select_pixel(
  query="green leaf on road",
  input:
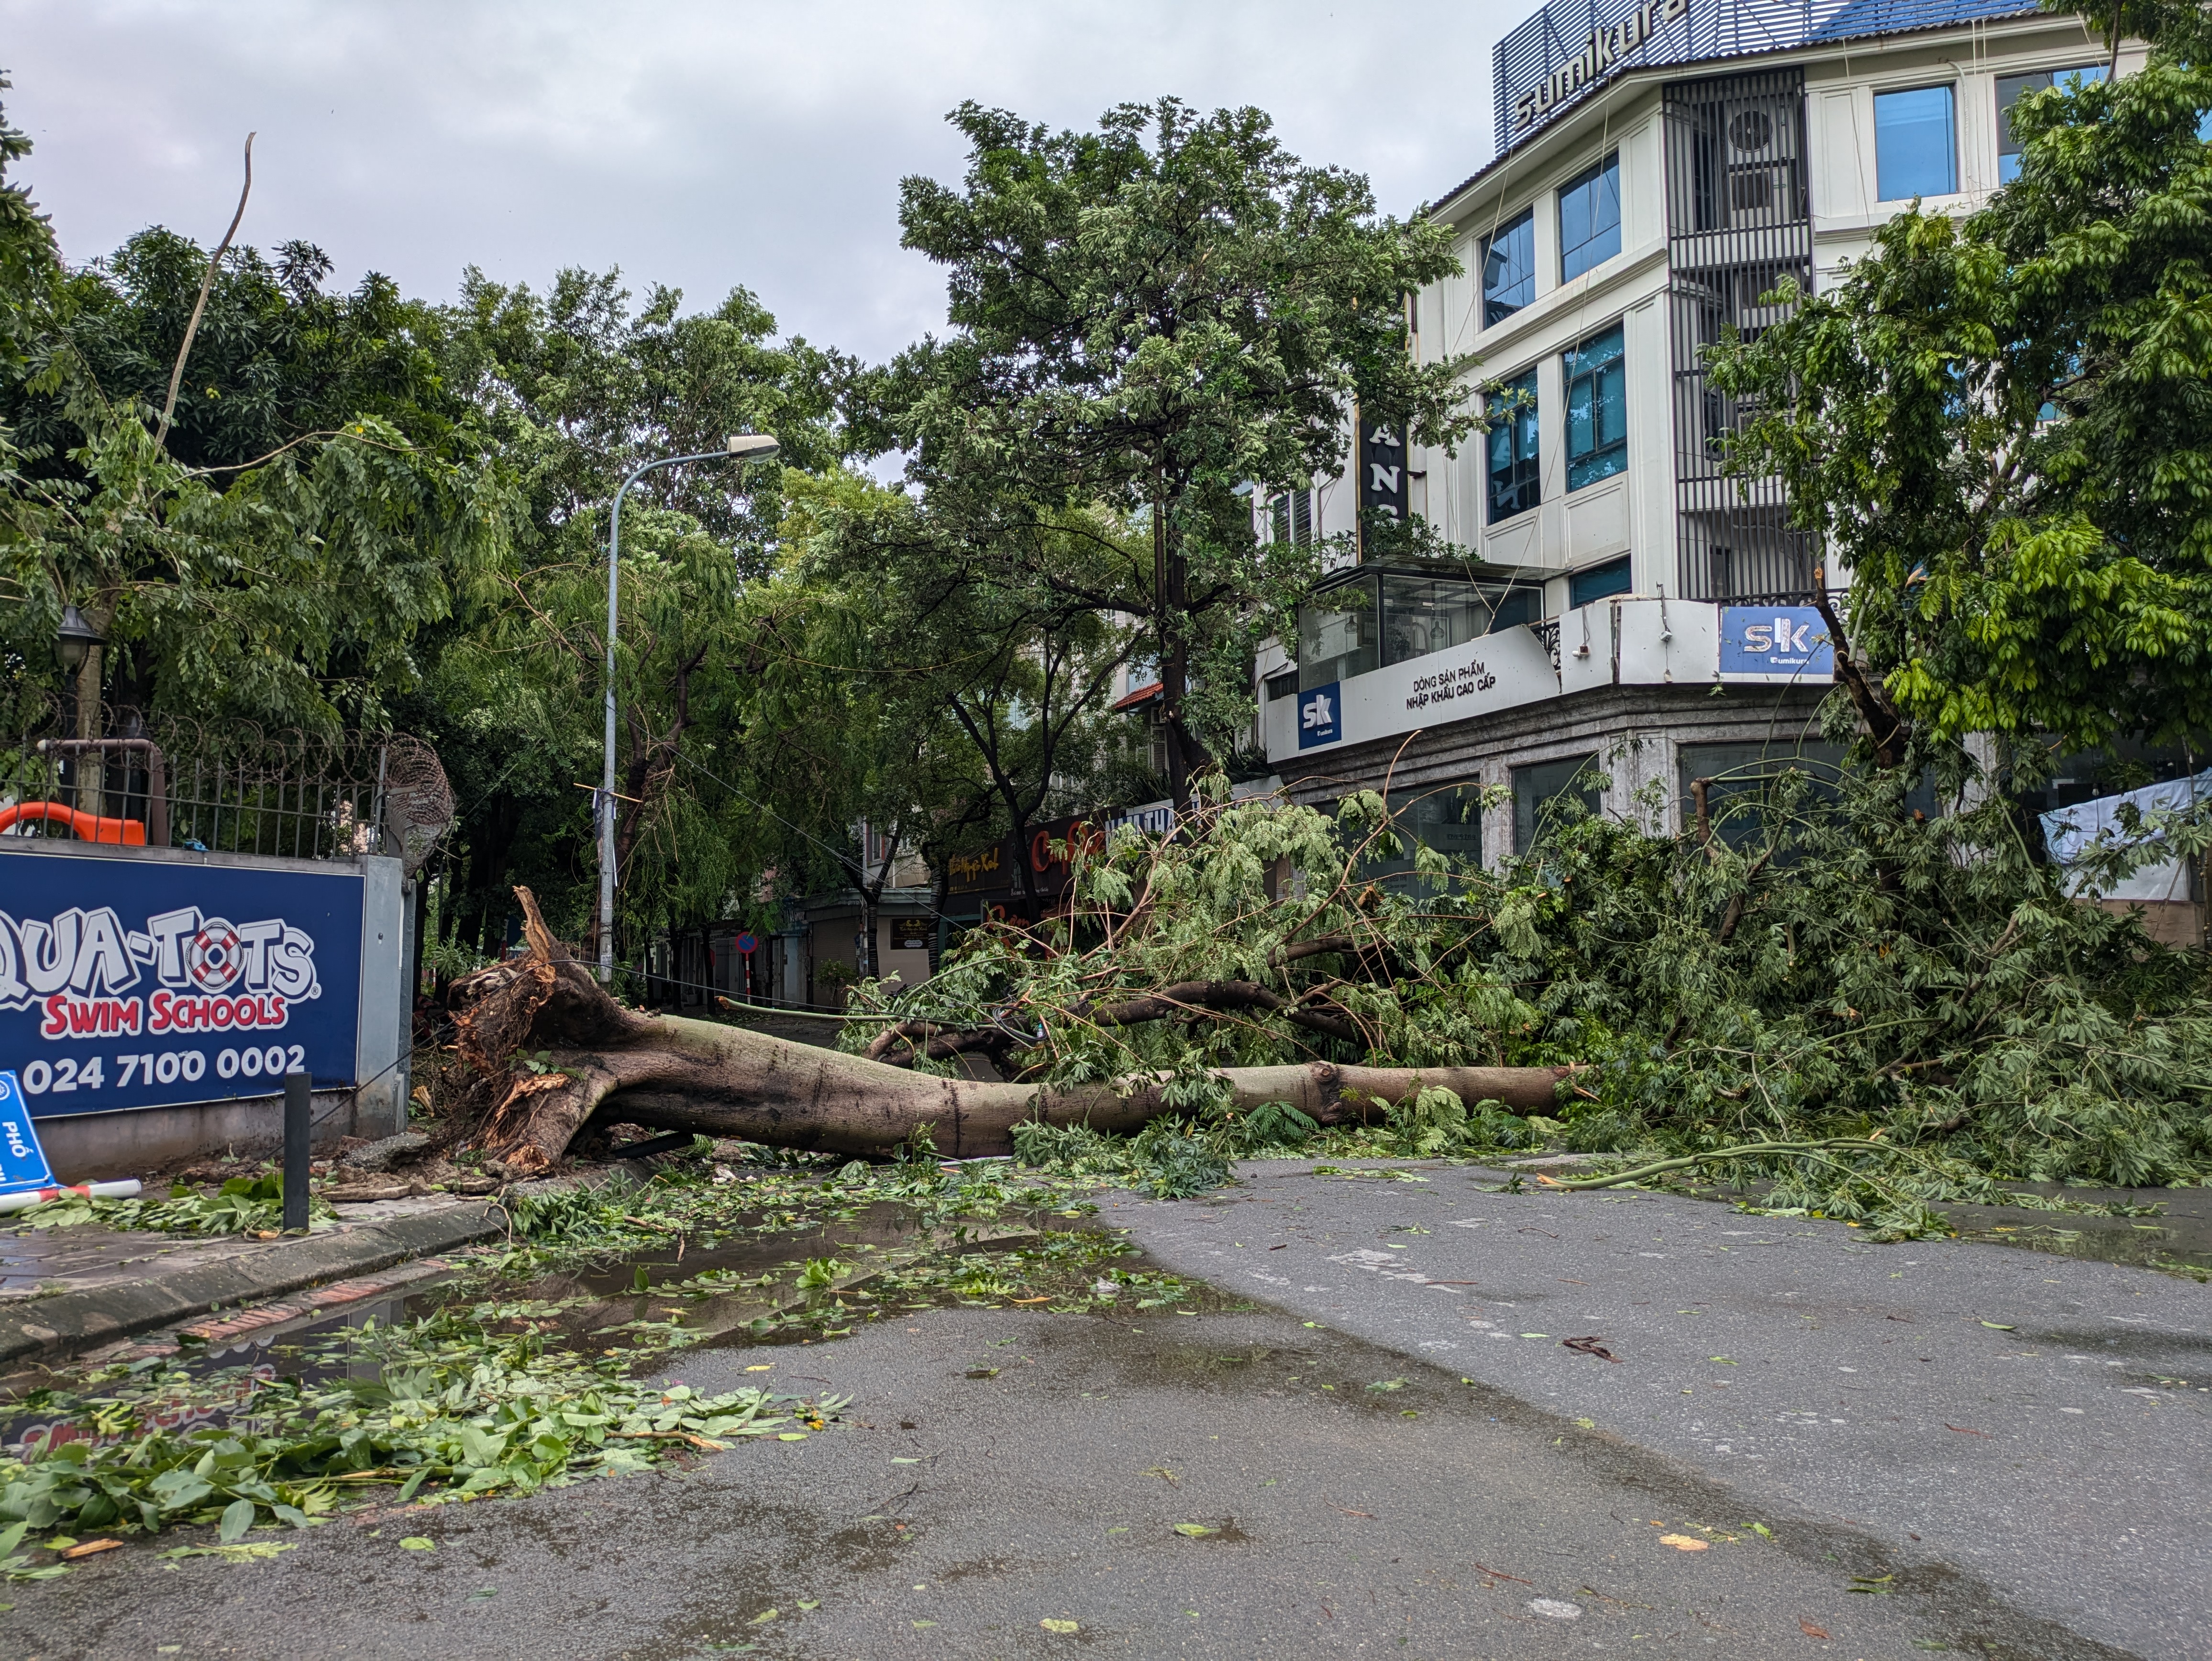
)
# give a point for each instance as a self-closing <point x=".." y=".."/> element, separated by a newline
<point x="237" y="1518"/>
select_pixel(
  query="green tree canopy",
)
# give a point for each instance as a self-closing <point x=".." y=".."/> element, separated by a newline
<point x="578" y="386"/>
<point x="1159" y="316"/>
<point x="2001" y="425"/>
<point x="322" y="499"/>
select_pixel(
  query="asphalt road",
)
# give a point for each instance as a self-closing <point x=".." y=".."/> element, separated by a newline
<point x="2040" y="1425"/>
<point x="1009" y="1468"/>
<point x="1429" y="1519"/>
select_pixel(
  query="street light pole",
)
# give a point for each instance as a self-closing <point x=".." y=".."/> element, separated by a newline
<point x="740" y="447"/>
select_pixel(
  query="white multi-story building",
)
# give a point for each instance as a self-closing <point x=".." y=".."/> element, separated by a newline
<point x="1624" y="609"/>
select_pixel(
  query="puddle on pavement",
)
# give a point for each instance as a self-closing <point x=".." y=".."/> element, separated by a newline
<point x="802" y="1286"/>
<point x="2178" y="1241"/>
<point x="235" y="1368"/>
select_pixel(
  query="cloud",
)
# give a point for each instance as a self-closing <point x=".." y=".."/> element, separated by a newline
<point x="705" y="145"/>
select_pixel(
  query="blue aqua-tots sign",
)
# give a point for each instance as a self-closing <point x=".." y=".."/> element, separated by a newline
<point x="1778" y="643"/>
<point x="1319" y="716"/>
<point x="135" y="982"/>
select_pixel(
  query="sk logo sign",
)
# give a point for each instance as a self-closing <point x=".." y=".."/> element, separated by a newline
<point x="1778" y="641"/>
<point x="1317" y="716"/>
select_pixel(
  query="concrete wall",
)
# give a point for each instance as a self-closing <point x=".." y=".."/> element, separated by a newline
<point x="85" y="1147"/>
<point x="1635" y="732"/>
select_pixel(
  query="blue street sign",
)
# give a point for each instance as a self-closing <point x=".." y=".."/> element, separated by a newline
<point x="1319" y="716"/>
<point x="1788" y="641"/>
<point x="22" y="1162"/>
<point x="748" y="943"/>
<point x="141" y="982"/>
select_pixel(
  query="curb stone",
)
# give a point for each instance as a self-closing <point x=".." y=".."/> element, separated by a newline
<point x="67" y="1324"/>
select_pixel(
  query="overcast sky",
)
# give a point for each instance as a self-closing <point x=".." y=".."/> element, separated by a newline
<point x="702" y="145"/>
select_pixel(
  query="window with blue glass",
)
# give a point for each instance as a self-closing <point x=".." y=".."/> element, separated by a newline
<point x="1916" y="144"/>
<point x="1508" y="268"/>
<point x="1597" y="410"/>
<point x="1589" y="218"/>
<point x="1513" y="466"/>
<point x="1598" y="581"/>
<point x="2009" y="89"/>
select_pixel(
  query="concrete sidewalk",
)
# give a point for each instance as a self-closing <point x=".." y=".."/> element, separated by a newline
<point x="64" y="1291"/>
<point x="2040" y="1425"/>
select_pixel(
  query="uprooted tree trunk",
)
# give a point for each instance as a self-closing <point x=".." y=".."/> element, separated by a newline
<point x="562" y="1049"/>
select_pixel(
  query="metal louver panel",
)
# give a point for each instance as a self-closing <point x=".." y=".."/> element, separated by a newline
<point x="1739" y="224"/>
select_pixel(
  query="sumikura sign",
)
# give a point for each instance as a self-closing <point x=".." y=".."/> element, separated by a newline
<point x="1606" y="49"/>
<point x="1775" y="642"/>
<point x="130" y="984"/>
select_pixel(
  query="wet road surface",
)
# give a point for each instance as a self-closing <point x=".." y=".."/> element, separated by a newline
<point x="1772" y="1439"/>
<point x="1009" y="1468"/>
<point x="2039" y="1423"/>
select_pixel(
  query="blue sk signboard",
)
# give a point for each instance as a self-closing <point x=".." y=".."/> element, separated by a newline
<point x="1319" y="716"/>
<point x="1776" y="642"/>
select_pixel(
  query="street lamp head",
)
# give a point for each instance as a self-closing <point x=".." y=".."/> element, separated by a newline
<point x="753" y="446"/>
<point x="75" y="638"/>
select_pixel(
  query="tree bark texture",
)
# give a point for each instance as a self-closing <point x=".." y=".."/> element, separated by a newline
<point x="698" y="1076"/>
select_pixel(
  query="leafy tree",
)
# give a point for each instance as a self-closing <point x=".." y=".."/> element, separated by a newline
<point x="323" y="503"/>
<point x="2003" y="425"/>
<point x="972" y="643"/>
<point x="1158" y="316"/>
<point x="577" y="386"/>
<point x="1871" y="1012"/>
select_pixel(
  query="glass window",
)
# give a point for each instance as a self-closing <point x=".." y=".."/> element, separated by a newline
<point x="2010" y="87"/>
<point x="1447" y="818"/>
<point x="1421" y="615"/>
<point x="1915" y="151"/>
<point x="1596" y="581"/>
<point x="1541" y="794"/>
<point x="1513" y="606"/>
<point x="2084" y="775"/>
<point x="1742" y="775"/>
<point x="1589" y="218"/>
<point x="1337" y="635"/>
<point x="1513" y="464"/>
<point x="1597" y="410"/>
<point x="1508" y="268"/>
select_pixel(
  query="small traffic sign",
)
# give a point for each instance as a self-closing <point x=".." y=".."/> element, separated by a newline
<point x="22" y="1161"/>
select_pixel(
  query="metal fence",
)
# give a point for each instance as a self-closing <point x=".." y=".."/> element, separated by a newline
<point x="230" y="787"/>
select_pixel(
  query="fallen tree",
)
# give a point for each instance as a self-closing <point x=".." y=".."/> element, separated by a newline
<point x="552" y="1050"/>
<point x="1871" y="1009"/>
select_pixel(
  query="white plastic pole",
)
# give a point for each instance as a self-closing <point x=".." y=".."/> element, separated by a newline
<point x="127" y="1189"/>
